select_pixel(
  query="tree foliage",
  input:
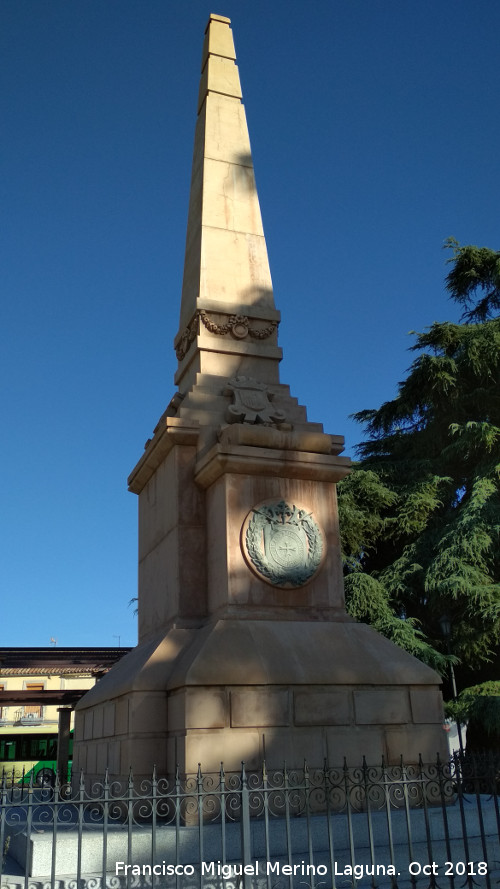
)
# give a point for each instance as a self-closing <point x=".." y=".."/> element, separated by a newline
<point x="479" y="702"/>
<point x="474" y="280"/>
<point x="420" y="513"/>
<point x="479" y="708"/>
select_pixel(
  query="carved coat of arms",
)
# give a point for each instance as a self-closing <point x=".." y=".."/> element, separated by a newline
<point x="282" y="543"/>
<point x="252" y="403"/>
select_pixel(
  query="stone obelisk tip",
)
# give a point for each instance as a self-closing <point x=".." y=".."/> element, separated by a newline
<point x="219" y="73"/>
<point x="226" y="270"/>
<point x="213" y="17"/>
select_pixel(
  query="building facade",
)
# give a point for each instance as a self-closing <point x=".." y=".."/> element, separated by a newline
<point x="36" y="684"/>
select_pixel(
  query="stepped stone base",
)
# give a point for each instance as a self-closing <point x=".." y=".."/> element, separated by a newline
<point x="238" y="690"/>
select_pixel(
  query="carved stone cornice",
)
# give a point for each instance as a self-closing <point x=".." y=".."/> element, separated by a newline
<point x="172" y="431"/>
<point x="225" y="457"/>
<point x="240" y="327"/>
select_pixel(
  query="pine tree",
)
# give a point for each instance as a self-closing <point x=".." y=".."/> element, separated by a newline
<point x="420" y="513"/>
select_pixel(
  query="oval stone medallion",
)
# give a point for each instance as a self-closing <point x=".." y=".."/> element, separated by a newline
<point x="282" y="543"/>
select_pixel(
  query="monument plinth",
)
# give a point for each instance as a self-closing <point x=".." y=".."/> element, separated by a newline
<point x="243" y="635"/>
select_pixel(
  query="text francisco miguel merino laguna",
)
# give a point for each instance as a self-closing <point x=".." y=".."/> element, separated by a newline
<point x="267" y="868"/>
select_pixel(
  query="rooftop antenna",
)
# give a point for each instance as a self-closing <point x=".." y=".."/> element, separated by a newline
<point x="119" y="638"/>
<point x="53" y="641"/>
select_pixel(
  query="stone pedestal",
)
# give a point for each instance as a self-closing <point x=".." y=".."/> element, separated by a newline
<point x="248" y="667"/>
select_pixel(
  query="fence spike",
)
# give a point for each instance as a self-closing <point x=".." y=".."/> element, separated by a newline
<point x="285" y="773"/>
<point x="364" y="767"/>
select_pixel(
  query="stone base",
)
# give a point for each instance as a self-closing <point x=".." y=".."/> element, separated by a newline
<point x="237" y="690"/>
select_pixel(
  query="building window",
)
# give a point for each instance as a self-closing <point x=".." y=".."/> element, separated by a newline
<point x="33" y="711"/>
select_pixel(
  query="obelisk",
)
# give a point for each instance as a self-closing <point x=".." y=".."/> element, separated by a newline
<point x="244" y="640"/>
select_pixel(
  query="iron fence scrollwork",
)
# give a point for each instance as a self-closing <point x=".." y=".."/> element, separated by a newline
<point x="404" y="825"/>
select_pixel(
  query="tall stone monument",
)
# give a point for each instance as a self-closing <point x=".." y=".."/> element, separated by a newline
<point x="244" y="640"/>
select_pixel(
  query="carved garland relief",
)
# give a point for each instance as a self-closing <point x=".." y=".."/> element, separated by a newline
<point x="237" y="325"/>
<point x="282" y="543"/>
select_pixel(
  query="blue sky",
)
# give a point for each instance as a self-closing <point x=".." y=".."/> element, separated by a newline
<point x="375" y="133"/>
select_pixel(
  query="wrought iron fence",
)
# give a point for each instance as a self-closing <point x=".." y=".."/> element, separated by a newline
<point x="409" y="825"/>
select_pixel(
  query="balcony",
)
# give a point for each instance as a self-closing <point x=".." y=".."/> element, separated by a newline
<point x="22" y="718"/>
